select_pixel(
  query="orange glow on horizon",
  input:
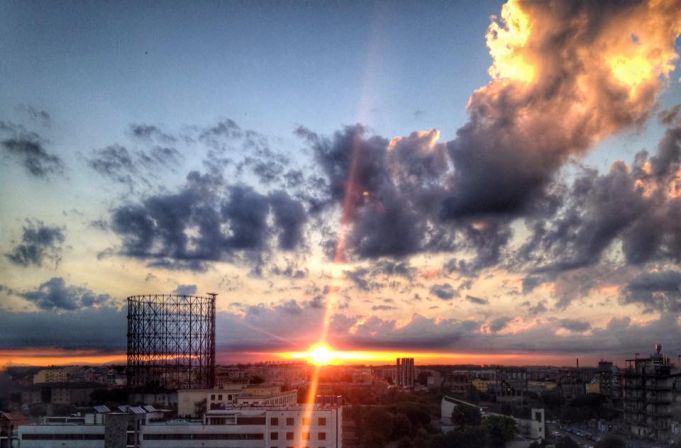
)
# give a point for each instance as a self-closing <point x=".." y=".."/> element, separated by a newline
<point x="326" y="355"/>
<point x="45" y="357"/>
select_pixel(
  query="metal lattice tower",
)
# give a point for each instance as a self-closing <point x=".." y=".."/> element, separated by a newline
<point x="171" y="341"/>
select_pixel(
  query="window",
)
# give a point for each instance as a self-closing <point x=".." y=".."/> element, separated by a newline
<point x="306" y="421"/>
<point x="321" y="421"/>
<point x="306" y="436"/>
<point x="212" y="397"/>
<point x="274" y="421"/>
<point x="289" y="436"/>
<point x="220" y="397"/>
<point x="274" y="436"/>
<point x="290" y="421"/>
<point x="321" y="436"/>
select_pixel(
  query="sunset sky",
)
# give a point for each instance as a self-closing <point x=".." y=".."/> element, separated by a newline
<point x="474" y="181"/>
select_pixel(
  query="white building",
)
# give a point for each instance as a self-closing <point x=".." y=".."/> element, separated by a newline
<point x="248" y="427"/>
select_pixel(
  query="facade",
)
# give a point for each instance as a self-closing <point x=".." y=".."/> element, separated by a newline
<point x="651" y="395"/>
<point x="195" y="402"/>
<point x="405" y="373"/>
<point x="318" y="427"/>
<point x="51" y="376"/>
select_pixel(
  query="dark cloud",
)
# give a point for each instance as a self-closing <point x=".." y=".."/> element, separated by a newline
<point x="207" y="221"/>
<point x="477" y="300"/>
<point x="38" y="244"/>
<point x="151" y="133"/>
<point x="223" y="130"/>
<point x="637" y="205"/>
<point x="132" y="168"/>
<point x="185" y="290"/>
<point x="388" y="190"/>
<point x="511" y="147"/>
<point x="33" y="156"/>
<point x="54" y="294"/>
<point x="499" y="323"/>
<point x="101" y="328"/>
<point x="37" y="115"/>
<point x="114" y="162"/>
<point x="659" y="291"/>
<point x="444" y="291"/>
<point x="574" y="325"/>
<point x="289" y="218"/>
<point x="669" y="116"/>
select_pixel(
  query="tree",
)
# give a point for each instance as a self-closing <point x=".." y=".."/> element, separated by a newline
<point x="500" y="429"/>
<point x="611" y="442"/>
<point x="566" y="442"/>
<point x="464" y="416"/>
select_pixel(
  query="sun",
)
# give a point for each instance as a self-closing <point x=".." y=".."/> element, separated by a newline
<point x="320" y="354"/>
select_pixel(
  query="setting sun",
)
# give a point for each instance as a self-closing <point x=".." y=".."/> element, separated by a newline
<point x="321" y="354"/>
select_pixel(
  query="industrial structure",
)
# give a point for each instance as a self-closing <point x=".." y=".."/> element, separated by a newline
<point x="171" y="342"/>
<point x="652" y="396"/>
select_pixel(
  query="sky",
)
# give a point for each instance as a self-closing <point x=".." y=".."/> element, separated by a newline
<point x="467" y="181"/>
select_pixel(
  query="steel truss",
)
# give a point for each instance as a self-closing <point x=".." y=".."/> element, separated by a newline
<point x="171" y="342"/>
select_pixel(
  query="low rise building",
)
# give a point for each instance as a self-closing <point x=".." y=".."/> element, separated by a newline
<point x="319" y="426"/>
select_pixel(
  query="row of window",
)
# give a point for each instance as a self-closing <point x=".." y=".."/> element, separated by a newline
<point x="62" y="437"/>
<point x="291" y="421"/>
<point x="291" y="436"/>
<point x="225" y="436"/>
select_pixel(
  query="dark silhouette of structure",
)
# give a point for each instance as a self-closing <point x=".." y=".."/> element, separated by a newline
<point x="171" y="342"/>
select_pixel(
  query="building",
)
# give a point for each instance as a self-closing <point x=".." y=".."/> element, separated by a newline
<point x="137" y="427"/>
<point x="68" y="394"/>
<point x="405" y="373"/>
<point x="532" y="428"/>
<point x="52" y="375"/>
<point x="192" y="403"/>
<point x="651" y="395"/>
<point x="9" y="422"/>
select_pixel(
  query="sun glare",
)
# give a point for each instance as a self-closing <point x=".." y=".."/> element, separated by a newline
<point x="320" y="354"/>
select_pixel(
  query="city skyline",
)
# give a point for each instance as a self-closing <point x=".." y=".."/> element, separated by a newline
<point x="495" y="183"/>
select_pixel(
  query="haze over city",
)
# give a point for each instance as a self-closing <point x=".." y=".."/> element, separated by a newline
<point x="457" y="182"/>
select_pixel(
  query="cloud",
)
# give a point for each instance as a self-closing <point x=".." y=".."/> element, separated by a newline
<point x="388" y="190"/>
<point x="444" y="291"/>
<point x="207" y="221"/>
<point x="37" y="115"/>
<point x="477" y="300"/>
<point x="127" y="167"/>
<point x="34" y="158"/>
<point x="101" y="328"/>
<point x="185" y="290"/>
<point x="38" y="244"/>
<point x="499" y="323"/>
<point x="660" y="290"/>
<point x="150" y="133"/>
<point x="572" y="60"/>
<point x="114" y="162"/>
<point x="574" y="325"/>
<point x="635" y="206"/>
<point x="54" y="294"/>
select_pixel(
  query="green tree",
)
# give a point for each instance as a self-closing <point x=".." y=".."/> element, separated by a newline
<point x="464" y="416"/>
<point x="499" y="429"/>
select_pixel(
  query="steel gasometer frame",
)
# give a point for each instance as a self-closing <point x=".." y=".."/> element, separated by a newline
<point x="171" y="341"/>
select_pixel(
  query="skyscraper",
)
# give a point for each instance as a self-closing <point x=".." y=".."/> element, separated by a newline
<point x="406" y="373"/>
